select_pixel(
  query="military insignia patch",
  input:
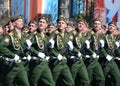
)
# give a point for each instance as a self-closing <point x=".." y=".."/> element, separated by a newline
<point x="70" y="37"/>
<point x="56" y="32"/>
<point x="74" y="32"/>
<point x="6" y="40"/>
<point x="11" y="33"/>
<point x="35" y="33"/>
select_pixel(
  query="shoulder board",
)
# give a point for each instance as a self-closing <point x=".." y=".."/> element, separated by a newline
<point x="35" y="33"/>
<point x="70" y="37"/>
<point x="92" y="32"/>
<point x="74" y="32"/>
<point x="11" y="33"/>
<point x="56" y="32"/>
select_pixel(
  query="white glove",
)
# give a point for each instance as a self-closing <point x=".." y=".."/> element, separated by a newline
<point x="59" y="57"/>
<point x="47" y="58"/>
<point x="79" y="54"/>
<point x="117" y="58"/>
<point x="72" y="57"/>
<point x="94" y="55"/>
<point x="109" y="57"/>
<point x="102" y="43"/>
<point x="87" y="56"/>
<point x="29" y="43"/>
<point x="52" y="43"/>
<point x="97" y="56"/>
<point x="117" y="44"/>
<point x="24" y="57"/>
<point x="29" y="57"/>
<point x="87" y="44"/>
<point x="70" y="44"/>
<point x="41" y="55"/>
<point x="16" y="58"/>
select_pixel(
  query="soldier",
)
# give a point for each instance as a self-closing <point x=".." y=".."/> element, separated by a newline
<point x="93" y="66"/>
<point x="75" y="60"/>
<point x="58" y="61"/>
<point x="38" y="67"/>
<point x="106" y="53"/>
<point x="11" y="48"/>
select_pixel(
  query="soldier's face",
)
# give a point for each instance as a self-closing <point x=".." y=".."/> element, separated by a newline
<point x="68" y="28"/>
<point x="62" y="25"/>
<point x="18" y="23"/>
<point x="32" y="27"/>
<point x="10" y="26"/>
<point x="81" y="26"/>
<point x="51" y="29"/>
<point x="42" y="24"/>
<point x="112" y="27"/>
<point x="97" y="25"/>
<point x="1" y="30"/>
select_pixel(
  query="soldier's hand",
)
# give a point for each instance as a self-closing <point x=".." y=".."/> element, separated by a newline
<point x="16" y="58"/>
<point x="108" y="57"/>
<point x="94" y="55"/>
<point x="117" y="44"/>
<point x="29" y="57"/>
<point x="41" y="55"/>
<point x="102" y="43"/>
<point x="70" y="44"/>
<point x="59" y="57"/>
<point x="52" y="43"/>
<point x="29" y="43"/>
<point x="87" y="44"/>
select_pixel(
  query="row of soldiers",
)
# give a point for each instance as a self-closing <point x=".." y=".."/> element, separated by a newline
<point x="42" y="54"/>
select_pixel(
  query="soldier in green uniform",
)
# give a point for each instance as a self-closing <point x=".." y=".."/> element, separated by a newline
<point x="75" y="60"/>
<point x="106" y="51"/>
<point x="1" y="58"/>
<point x="38" y="66"/>
<point x="93" y="67"/>
<point x="11" y="48"/>
<point x="58" y="61"/>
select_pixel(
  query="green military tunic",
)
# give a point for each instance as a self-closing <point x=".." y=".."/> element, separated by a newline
<point x="94" y="68"/>
<point x="38" y="67"/>
<point x="109" y="67"/>
<point x="11" y="45"/>
<point x="77" y="66"/>
<point x="59" y="67"/>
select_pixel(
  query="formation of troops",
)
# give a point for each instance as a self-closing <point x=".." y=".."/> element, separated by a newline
<point x="43" y="54"/>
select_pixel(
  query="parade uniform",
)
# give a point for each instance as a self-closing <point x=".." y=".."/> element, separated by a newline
<point x="58" y="61"/>
<point x="38" y="66"/>
<point x="93" y="67"/>
<point x="106" y="56"/>
<point x="75" y="60"/>
<point x="11" y="48"/>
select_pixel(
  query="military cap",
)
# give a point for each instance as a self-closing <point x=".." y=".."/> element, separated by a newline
<point x="26" y="26"/>
<point x="97" y="19"/>
<point x="51" y="24"/>
<point x="34" y="22"/>
<point x="70" y="24"/>
<point x="14" y="18"/>
<point x="43" y="17"/>
<point x="114" y="23"/>
<point x="61" y="19"/>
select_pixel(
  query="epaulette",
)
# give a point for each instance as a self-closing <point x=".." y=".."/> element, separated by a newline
<point x="74" y="32"/>
<point x="71" y="37"/>
<point x="35" y="33"/>
<point x="11" y="33"/>
<point x="92" y="32"/>
<point x="56" y="32"/>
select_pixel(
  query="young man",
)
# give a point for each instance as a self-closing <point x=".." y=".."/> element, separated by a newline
<point x="58" y="61"/>
<point x="38" y="67"/>
<point x="11" y="48"/>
